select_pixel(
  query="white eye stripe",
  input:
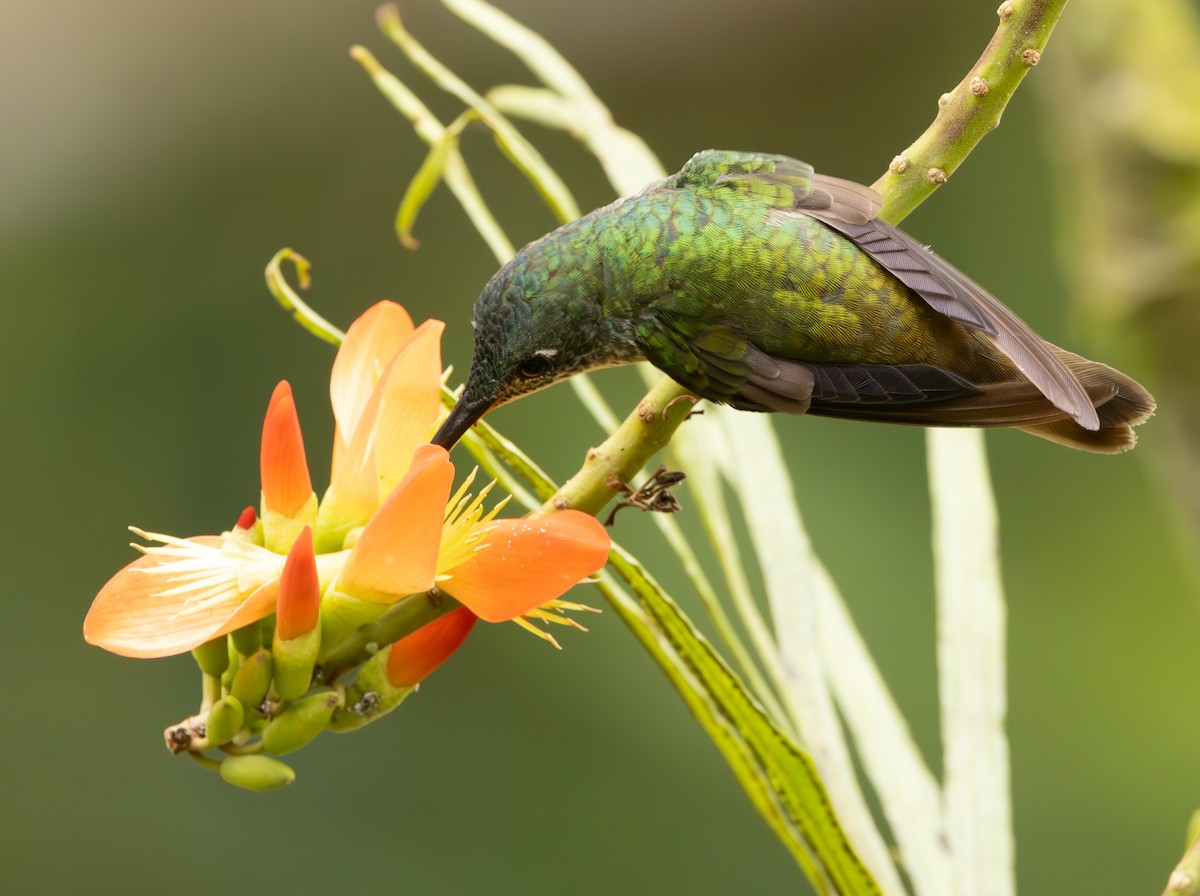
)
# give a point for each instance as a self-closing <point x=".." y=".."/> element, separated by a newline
<point x="546" y="353"/>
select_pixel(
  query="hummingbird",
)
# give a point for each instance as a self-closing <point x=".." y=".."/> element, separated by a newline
<point x="755" y="282"/>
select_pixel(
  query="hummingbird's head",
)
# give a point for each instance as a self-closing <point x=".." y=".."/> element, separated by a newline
<point x="530" y="331"/>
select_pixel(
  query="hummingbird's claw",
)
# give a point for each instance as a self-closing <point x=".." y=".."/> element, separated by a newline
<point x="654" y="495"/>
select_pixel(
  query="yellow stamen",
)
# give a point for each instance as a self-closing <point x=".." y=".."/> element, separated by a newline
<point x="533" y="629"/>
<point x="454" y="505"/>
<point x="563" y="605"/>
<point x="553" y="618"/>
<point x="465" y="525"/>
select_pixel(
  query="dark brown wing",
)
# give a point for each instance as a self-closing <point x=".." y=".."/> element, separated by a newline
<point x="950" y="292"/>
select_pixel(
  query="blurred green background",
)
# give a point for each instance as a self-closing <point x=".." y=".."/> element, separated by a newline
<point x="155" y="155"/>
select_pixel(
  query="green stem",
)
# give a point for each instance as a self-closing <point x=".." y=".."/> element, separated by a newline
<point x="972" y="109"/>
<point x="291" y="301"/>
<point x="213" y="765"/>
<point x="679" y="543"/>
<point x="708" y="712"/>
<point x="619" y="458"/>
<point x="210" y="691"/>
<point x="233" y="749"/>
<point x="402" y="618"/>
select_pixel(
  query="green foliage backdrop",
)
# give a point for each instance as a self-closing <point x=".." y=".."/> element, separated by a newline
<point x="156" y="155"/>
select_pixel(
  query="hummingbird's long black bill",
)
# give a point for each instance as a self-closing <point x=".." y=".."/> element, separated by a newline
<point x="462" y="416"/>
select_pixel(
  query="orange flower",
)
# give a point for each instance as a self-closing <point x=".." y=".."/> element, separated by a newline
<point x="386" y="527"/>
<point x="499" y="570"/>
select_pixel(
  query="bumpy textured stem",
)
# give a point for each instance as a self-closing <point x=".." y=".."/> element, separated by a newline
<point x="973" y="108"/>
<point x="626" y="451"/>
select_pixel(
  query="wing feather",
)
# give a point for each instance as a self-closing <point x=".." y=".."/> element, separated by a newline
<point x="950" y="292"/>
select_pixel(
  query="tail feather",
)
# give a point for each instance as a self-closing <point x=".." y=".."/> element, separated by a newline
<point x="1127" y="405"/>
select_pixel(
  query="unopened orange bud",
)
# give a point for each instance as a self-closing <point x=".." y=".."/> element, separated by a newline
<point x="415" y="656"/>
<point x="283" y="466"/>
<point x="246" y="519"/>
<point x="299" y="607"/>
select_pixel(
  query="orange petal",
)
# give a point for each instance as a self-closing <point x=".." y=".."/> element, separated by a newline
<point x="340" y="444"/>
<point x="354" y="485"/>
<point x="413" y="657"/>
<point x="131" y="617"/>
<point x="410" y="401"/>
<point x="396" y="554"/>
<point x="367" y="348"/>
<point x="528" y="562"/>
<point x="299" y="606"/>
<point x="285" y="483"/>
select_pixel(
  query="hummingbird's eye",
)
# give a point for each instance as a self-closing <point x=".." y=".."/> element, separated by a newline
<point x="535" y="366"/>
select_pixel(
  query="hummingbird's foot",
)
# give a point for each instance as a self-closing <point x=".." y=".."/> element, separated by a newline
<point x="654" y="495"/>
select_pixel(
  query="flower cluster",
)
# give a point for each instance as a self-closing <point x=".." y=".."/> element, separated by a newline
<point x="315" y="571"/>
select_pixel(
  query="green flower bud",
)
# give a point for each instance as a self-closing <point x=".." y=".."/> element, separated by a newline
<point x="299" y="723"/>
<point x="247" y="639"/>
<point x="253" y="680"/>
<point x="213" y="656"/>
<point x="256" y="772"/>
<point x="225" y="719"/>
<point x="370" y="697"/>
<point x="294" y="661"/>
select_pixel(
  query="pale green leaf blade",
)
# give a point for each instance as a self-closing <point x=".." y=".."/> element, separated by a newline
<point x="536" y="104"/>
<point x="425" y="181"/>
<point x="790" y="770"/>
<point x="462" y="185"/>
<point x="706" y="710"/>
<point x="530" y="47"/>
<point x="527" y="159"/>
<point x="909" y="794"/>
<point x="760" y="477"/>
<point x="971" y="668"/>
<point x="428" y="128"/>
<point x="628" y="162"/>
